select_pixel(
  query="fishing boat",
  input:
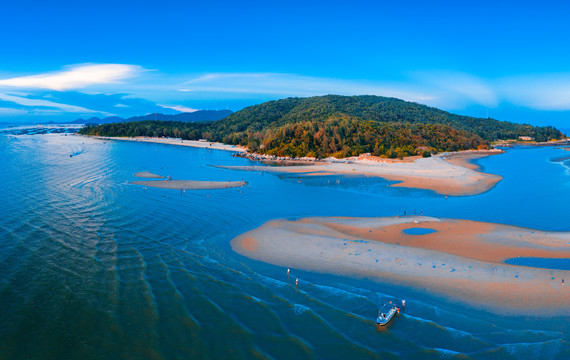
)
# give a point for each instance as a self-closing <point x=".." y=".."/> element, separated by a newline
<point x="387" y="312"/>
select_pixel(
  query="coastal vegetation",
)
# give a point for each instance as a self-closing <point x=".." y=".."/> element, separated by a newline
<point x="338" y="126"/>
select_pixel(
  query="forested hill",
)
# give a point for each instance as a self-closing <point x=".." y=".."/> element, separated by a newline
<point x="340" y="126"/>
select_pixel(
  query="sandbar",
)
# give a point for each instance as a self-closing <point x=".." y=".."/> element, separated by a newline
<point x="433" y="173"/>
<point x="190" y="185"/>
<point x="148" y="175"/>
<point x="465" y="158"/>
<point x="462" y="262"/>
<point x="447" y="174"/>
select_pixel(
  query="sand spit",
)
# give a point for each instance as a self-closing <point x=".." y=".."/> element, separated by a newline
<point x="447" y="174"/>
<point x="148" y="175"/>
<point x="190" y="185"/>
<point x="463" y="262"/>
<point x="465" y="158"/>
<point x="433" y="173"/>
<point x="179" y="142"/>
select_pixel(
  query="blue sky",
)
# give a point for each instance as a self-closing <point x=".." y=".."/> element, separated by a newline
<point x="65" y="60"/>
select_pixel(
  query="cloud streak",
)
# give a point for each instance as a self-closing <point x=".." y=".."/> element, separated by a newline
<point x="75" y="77"/>
<point x="284" y="85"/>
<point x="40" y="103"/>
<point x="178" y="108"/>
<point x="128" y="90"/>
<point x="447" y="89"/>
<point x="547" y="92"/>
<point x="457" y="89"/>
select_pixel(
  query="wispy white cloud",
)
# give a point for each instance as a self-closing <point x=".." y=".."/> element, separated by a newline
<point x="454" y="90"/>
<point x="75" y="77"/>
<point x="179" y="108"/>
<point x="35" y="103"/>
<point x="450" y="90"/>
<point x="274" y="84"/>
<point x="12" y="112"/>
<point x="130" y="89"/>
<point x="546" y="92"/>
<point x="457" y="89"/>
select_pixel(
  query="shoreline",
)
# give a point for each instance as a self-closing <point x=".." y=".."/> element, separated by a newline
<point x="462" y="262"/>
<point x="448" y="173"/>
<point x="513" y="143"/>
<point x="179" y="142"/>
<point x="456" y="177"/>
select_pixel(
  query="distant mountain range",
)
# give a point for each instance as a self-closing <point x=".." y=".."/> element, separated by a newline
<point x="196" y="116"/>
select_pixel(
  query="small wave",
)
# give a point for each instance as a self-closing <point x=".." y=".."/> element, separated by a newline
<point x="454" y="333"/>
<point x="257" y="299"/>
<point x="86" y="181"/>
<point x="336" y="291"/>
<point x="541" y="350"/>
<point x="271" y="281"/>
<point x="299" y="309"/>
<point x="446" y="353"/>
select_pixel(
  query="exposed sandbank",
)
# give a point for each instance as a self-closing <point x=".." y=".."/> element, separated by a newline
<point x="190" y="185"/>
<point x="433" y="173"/>
<point x="179" y="142"/>
<point x="148" y="175"/>
<point x="449" y="174"/>
<point x="462" y="262"/>
<point x="465" y="158"/>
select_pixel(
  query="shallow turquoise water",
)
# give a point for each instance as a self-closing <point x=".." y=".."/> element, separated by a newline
<point x="418" y="231"/>
<point x="94" y="268"/>
<point x="545" y="263"/>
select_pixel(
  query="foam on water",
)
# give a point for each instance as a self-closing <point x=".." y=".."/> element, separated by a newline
<point x="299" y="309"/>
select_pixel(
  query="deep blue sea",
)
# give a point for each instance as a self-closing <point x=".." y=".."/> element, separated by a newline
<point x="94" y="268"/>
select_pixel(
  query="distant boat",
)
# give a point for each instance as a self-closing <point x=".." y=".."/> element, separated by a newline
<point x="387" y="312"/>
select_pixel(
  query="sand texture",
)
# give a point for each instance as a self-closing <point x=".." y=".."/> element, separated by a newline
<point x="179" y="142"/>
<point x="447" y="174"/>
<point x="148" y="175"/>
<point x="190" y="185"/>
<point x="463" y="262"/>
<point x="464" y="158"/>
<point x="433" y="173"/>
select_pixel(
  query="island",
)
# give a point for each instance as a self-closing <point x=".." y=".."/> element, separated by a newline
<point x="338" y="126"/>
<point x="371" y="135"/>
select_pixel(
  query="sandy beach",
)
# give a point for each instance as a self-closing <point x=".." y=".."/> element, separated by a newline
<point x="178" y="142"/>
<point x="190" y="185"/>
<point x="465" y="158"/>
<point x="148" y="175"/>
<point x="455" y="177"/>
<point x="461" y="262"/>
